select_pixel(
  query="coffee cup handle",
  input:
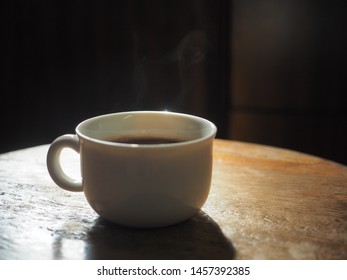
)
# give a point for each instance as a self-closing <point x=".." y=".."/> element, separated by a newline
<point x="53" y="162"/>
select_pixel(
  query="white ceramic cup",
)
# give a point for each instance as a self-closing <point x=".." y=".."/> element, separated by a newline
<point x="140" y="185"/>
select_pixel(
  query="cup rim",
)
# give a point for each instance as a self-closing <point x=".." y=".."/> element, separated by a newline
<point x="211" y="134"/>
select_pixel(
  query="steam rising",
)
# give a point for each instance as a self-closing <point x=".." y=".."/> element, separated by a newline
<point x="192" y="49"/>
<point x="166" y="81"/>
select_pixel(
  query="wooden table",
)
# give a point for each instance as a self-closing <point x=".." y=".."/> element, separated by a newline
<point x="265" y="203"/>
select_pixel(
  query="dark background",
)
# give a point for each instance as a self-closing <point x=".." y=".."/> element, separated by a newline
<point x="289" y="75"/>
<point x="69" y="60"/>
<point x="269" y="72"/>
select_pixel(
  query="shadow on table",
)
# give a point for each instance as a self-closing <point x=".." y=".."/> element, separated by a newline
<point x="198" y="238"/>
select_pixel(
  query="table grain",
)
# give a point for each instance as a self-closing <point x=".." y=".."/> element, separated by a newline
<point x="264" y="203"/>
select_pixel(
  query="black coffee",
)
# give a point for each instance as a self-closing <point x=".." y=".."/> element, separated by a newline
<point x="147" y="140"/>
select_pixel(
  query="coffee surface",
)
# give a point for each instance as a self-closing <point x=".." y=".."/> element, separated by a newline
<point x="146" y="140"/>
